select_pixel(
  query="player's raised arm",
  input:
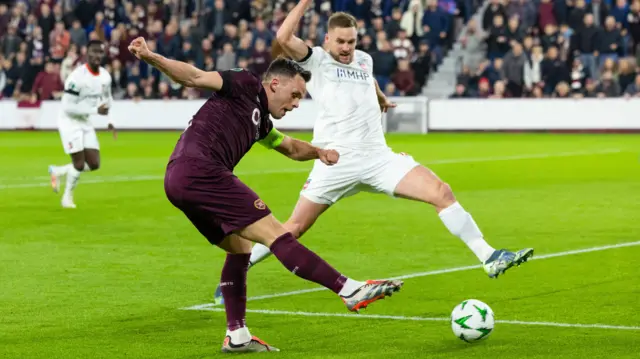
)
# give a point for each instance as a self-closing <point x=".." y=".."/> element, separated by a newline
<point x="178" y="71"/>
<point x="290" y="43"/>
<point x="298" y="150"/>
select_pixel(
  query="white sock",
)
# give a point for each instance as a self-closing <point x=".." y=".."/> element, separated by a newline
<point x="239" y="336"/>
<point x="460" y="223"/>
<point x="258" y="253"/>
<point x="350" y="286"/>
<point x="72" y="180"/>
<point x="86" y="168"/>
<point x="61" y="170"/>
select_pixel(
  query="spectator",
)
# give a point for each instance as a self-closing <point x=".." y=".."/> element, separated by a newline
<point x="514" y="70"/>
<point x="634" y="24"/>
<point x="394" y="24"/>
<point x="620" y="12"/>
<point x="533" y="69"/>
<point x="590" y="89"/>
<point x="633" y="90"/>
<point x="514" y="31"/>
<point x="524" y="10"/>
<point x="260" y="58"/>
<point x="561" y="90"/>
<point x="435" y="26"/>
<point x="473" y="45"/>
<point x="550" y="37"/>
<point x="460" y="92"/>
<point x="497" y="41"/>
<point x="599" y="12"/>
<point x="554" y="71"/>
<point x="59" y="41"/>
<point x="402" y="46"/>
<point x="360" y="9"/>
<point x="578" y="76"/>
<point x="78" y="34"/>
<point x="10" y="42"/>
<point x="47" y="85"/>
<point x="421" y="65"/>
<point x="226" y="60"/>
<point x="390" y="90"/>
<point x="608" y="86"/>
<point x="577" y="15"/>
<point x="484" y="89"/>
<point x="384" y="64"/>
<point x="499" y="90"/>
<point x="412" y="21"/>
<point x="546" y="14"/>
<point x="101" y="27"/>
<point x="610" y="41"/>
<point x="627" y="73"/>
<point x="494" y="9"/>
<point x="585" y="44"/>
<point x="261" y="32"/>
<point x="403" y="78"/>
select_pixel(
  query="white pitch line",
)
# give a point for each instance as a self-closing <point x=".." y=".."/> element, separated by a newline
<point x="427" y="319"/>
<point x="106" y="179"/>
<point x="430" y="273"/>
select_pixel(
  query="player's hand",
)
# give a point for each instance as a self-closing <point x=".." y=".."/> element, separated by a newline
<point x="103" y="109"/>
<point x="328" y="157"/>
<point x="139" y="49"/>
<point x="385" y="104"/>
<point x="112" y="128"/>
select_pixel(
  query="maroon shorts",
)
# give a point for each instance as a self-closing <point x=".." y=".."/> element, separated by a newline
<point x="212" y="197"/>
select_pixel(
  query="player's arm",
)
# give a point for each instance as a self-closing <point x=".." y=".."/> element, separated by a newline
<point x="383" y="101"/>
<point x="73" y="102"/>
<point x="298" y="150"/>
<point x="291" y="44"/>
<point x="185" y="74"/>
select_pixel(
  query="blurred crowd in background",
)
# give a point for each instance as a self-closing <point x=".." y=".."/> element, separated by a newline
<point x="545" y="48"/>
<point x="42" y="41"/>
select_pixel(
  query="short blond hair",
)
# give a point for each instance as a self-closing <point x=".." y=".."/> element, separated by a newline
<point x="342" y="20"/>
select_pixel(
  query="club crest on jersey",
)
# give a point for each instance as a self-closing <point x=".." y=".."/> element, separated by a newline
<point x="259" y="204"/>
<point x="363" y="65"/>
<point x="306" y="184"/>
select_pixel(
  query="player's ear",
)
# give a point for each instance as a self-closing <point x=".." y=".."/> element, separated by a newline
<point x="274" y="83"/>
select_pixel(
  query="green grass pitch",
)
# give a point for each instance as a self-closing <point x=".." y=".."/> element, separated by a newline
<point x="109" y="279"/>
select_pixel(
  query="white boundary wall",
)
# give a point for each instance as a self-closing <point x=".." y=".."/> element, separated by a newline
<point x="438" y="115"/>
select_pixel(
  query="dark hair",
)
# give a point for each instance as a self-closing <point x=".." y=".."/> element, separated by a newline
<point x="285" y="67"/>
<point x="341" y="19"/>
<point x="95" y="42"/>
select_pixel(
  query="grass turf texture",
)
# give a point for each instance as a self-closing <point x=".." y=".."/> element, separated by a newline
<point x="106" y="280"/>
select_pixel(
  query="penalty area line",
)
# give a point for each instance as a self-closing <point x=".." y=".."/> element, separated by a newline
<point x="427" y="319"/>
<point x="430" y="273"/>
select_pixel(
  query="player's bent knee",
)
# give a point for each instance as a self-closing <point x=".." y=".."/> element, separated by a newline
<point x="94" y="166"/>
<point x="295" y="228"/>
<point x="445" y="195"/>
<point x="264" y="231"/>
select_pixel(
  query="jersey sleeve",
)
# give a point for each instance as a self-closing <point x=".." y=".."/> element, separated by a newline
<point x="313" y="59"/>
<point x="238" y="82"/>
<point x="72" y="97"/>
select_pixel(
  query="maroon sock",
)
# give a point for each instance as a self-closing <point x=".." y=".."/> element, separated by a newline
<point x="306" y="264"/>
<point x="233" y="284"/>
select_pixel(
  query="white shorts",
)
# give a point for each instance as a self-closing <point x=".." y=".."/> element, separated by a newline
<point x="76" y="135"/>
<point x="356" y="171"/>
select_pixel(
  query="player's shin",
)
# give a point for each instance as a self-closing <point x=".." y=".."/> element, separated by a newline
<point x="233" y="284"/>
<point x="259" y="252"/>
<point x="307" y="265"/>
<point x="460" y="223"/>
<point x="73" y="175"/>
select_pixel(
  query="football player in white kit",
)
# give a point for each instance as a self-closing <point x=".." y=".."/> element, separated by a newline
<point x="350" y="102"/>
<point x="87" y="92"/>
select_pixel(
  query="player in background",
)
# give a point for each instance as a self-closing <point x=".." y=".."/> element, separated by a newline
<point x="348" y="95"/>
<point x="199" y="181"/>
<point x="87" y="92"/>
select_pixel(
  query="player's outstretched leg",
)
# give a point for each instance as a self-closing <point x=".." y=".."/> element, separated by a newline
<point x="238" y="339"/>
<point x="304" y="215"/>
<point x="84" y="161"/>
<point x="307" y="265"/>
<point x="421" y="184"/>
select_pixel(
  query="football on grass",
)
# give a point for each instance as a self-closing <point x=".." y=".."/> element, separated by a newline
<point x="472" y="320"/>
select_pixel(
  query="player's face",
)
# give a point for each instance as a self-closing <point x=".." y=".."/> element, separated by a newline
<point x="95" y="54"/>
<point x="341" y="43"/>
<point x="286" y="95"/>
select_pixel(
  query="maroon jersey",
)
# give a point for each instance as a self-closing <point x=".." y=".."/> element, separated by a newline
<point x="229" y="123"/>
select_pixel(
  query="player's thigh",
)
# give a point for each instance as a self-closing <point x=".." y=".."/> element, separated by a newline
<point x="304" y="215"/>
<point x="193" y="185"/>
<point x="326" y="185"/>
<point x="92" y="157"/>
<point x="90" y="138"/>
<point x="264" y="231"/>
<point x="386" y="171"/>
<point x="206" y="223"/>
<point x="71" y="135"/>
<point x="422" y="184"/>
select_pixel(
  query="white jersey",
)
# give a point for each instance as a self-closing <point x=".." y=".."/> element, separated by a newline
<point x="349" y="115"/>
<point x="84" y="92"/>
